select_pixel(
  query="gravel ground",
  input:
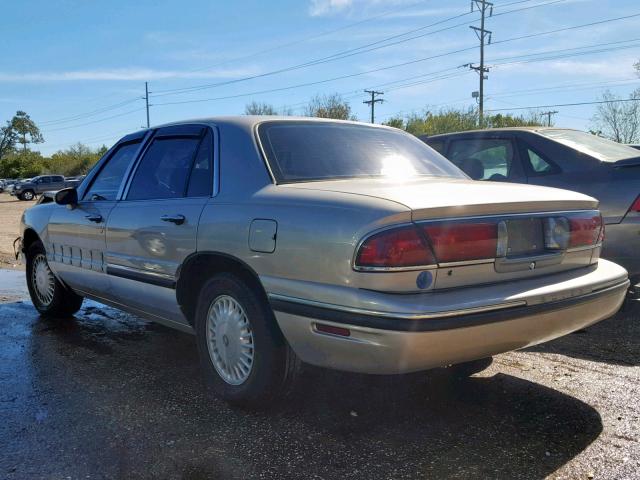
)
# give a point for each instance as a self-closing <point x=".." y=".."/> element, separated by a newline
<point x="107" y="395"/>
<point x="10" y="212"/>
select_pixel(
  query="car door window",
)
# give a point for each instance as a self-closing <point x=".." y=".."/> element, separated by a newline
<point x="106" y="184"/>
<point x="201" y="180"/>
<point x="164" y="169"/>
<point x="44" y="180"/>
<point x="538" y="165"/>
<point x="483" y="159"/>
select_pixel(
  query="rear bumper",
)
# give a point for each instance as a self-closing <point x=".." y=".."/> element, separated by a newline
<point x="622" y="245"/>
<point x="383" y="342"/>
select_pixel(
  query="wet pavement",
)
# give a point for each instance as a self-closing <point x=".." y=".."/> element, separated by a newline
<point x="107" y="395"/>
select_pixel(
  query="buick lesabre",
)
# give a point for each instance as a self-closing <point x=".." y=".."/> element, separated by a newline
<point x="278" y="241"/>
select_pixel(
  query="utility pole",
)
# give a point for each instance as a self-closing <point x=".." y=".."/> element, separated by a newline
<point x="146" y="99"/>
<point x="483" y="7"/>
<point x="548" y="114"/>
<point x="373" y="102"/>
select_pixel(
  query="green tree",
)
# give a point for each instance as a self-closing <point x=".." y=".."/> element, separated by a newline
<point x="75" y="160"/>
<point x="22" y="164"/>
<point x="26" y="130"/>
<point x="8" y="139"/>
<point x="329" y="106"/>
<point x="396" y="122"/>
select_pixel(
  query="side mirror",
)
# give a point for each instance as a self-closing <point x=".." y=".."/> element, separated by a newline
<point x="67" y="196"/>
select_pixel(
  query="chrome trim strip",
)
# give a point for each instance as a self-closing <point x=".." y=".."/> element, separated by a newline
<point x="144" y="272"/>
<point x="404" y="316"/>
<point x="467" y="262"/>
<point x="506" y="215"/>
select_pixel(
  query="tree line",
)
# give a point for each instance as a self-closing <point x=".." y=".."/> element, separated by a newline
<point x="613" y="119"/>
<point x="19" y="160"/>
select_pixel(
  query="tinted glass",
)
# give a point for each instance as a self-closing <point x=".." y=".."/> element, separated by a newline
<point x="597" y="147"/>
<point x="481" y="159"/>
<point x="301" y="151"/>
<point x="201" y="180"/>
<point x="538" y="164"/>
<point x="44" y="180"/>
<point x="57" y="178"/>
<point x="107" y="183"/>
<point x="164" y="169"/>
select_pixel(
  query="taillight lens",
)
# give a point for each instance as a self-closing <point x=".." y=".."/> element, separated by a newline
<point x="636" y="205"/>
<point x="585" y="230"/>
<point x="397" y="248"/>
<point x="458" y="242"/>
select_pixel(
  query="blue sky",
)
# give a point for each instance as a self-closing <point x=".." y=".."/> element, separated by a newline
<point x="78" y="67"/>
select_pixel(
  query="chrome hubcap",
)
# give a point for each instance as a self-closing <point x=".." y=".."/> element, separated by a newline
<point x="42" y="280"/>
<point x="230" y="340"/>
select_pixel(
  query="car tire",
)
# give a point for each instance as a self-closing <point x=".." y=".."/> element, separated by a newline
<point x="50" y="297"/>
<point x="245" y="358"/>
<point x="466" y="369"/>
<point x="27" y="195"/>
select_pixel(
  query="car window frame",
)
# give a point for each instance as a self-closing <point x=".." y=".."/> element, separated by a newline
<point x="176" y="131"/>
<point x="517" y="170"/>
<point x="523" y="146"/>
<point x="105" y="160"/>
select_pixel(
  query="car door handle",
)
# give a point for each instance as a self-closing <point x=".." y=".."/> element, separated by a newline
<point x="177" y="219"/>
<point x="95" y="218"/>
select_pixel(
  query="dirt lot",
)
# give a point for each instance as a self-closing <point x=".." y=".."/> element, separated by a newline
<point x="10" y="211"/>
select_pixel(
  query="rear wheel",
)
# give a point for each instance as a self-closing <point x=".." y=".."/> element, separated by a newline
<point x="244" y="355"/>
<point x="50" y="297"/>
<point x="27" y="195"/>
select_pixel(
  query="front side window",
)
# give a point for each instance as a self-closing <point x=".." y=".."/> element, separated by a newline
<point x="304" y="151"/>
<point x="106" y="184"/>
<point x="483" y="159"/>
<point x="164" y="170"/>
<point x="44" y="180"/>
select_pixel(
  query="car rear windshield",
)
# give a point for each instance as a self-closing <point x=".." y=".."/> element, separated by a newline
<point x="305" y="151"/>
<point x="592" y="145"/>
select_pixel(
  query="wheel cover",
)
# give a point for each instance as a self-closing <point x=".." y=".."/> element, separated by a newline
<point x="28" y="195"/>
<point x="42" y="280"/>
<point x="230" y="340"/>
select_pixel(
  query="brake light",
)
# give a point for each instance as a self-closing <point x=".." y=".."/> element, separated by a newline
<point x="397" y="248"/>
<point x="636" y="205"/>
<point x="585" y="230"/>
<point x="457" y="242"/>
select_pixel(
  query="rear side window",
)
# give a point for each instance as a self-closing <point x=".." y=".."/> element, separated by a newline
<point x="483" y="159"/>
<point x="164" y="170"/>
<point x="106" y="184"/>
<point x="201" y="178"/>
<point x="538" y="165"/>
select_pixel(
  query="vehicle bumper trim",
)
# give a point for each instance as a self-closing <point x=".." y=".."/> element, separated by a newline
<point x="429" y="322"/>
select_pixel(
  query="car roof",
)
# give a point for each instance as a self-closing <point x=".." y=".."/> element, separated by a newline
<point x="498" y="130"/>
<point x="248" y="122"/>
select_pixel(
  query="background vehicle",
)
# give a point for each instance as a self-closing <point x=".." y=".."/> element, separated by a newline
<point x="637" y="147"/>
<point x="560" y="158"/>
<point x="344" y="245"/>
<point x="28" y="189"/>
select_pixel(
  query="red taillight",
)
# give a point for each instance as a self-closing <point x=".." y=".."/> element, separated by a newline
<point x="636" y="205"/>
<point x="397" y="248"/>
<point x="458" y="242"/>
<point x="585" y="230"/>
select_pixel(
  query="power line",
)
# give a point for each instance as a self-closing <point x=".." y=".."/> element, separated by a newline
<point x="483" y="6"/>
<point x="89" y="114"/>
<point x="96" y="121"/>
<point x="339" y="55"/>
<point x="576" y="104"/>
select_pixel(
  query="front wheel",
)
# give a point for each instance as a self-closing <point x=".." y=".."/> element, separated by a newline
<point x="244" y="355"/>
<point x="50" y="297"/>
<point x="28" y="195"/>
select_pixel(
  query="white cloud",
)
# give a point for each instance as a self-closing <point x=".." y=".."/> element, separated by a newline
<point x="328" y="7"/>
<point x="122" y="74"/>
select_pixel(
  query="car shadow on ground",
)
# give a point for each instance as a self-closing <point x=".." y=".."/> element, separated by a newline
<point x="613" y="341"/>
<point x="110" y="393"/>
